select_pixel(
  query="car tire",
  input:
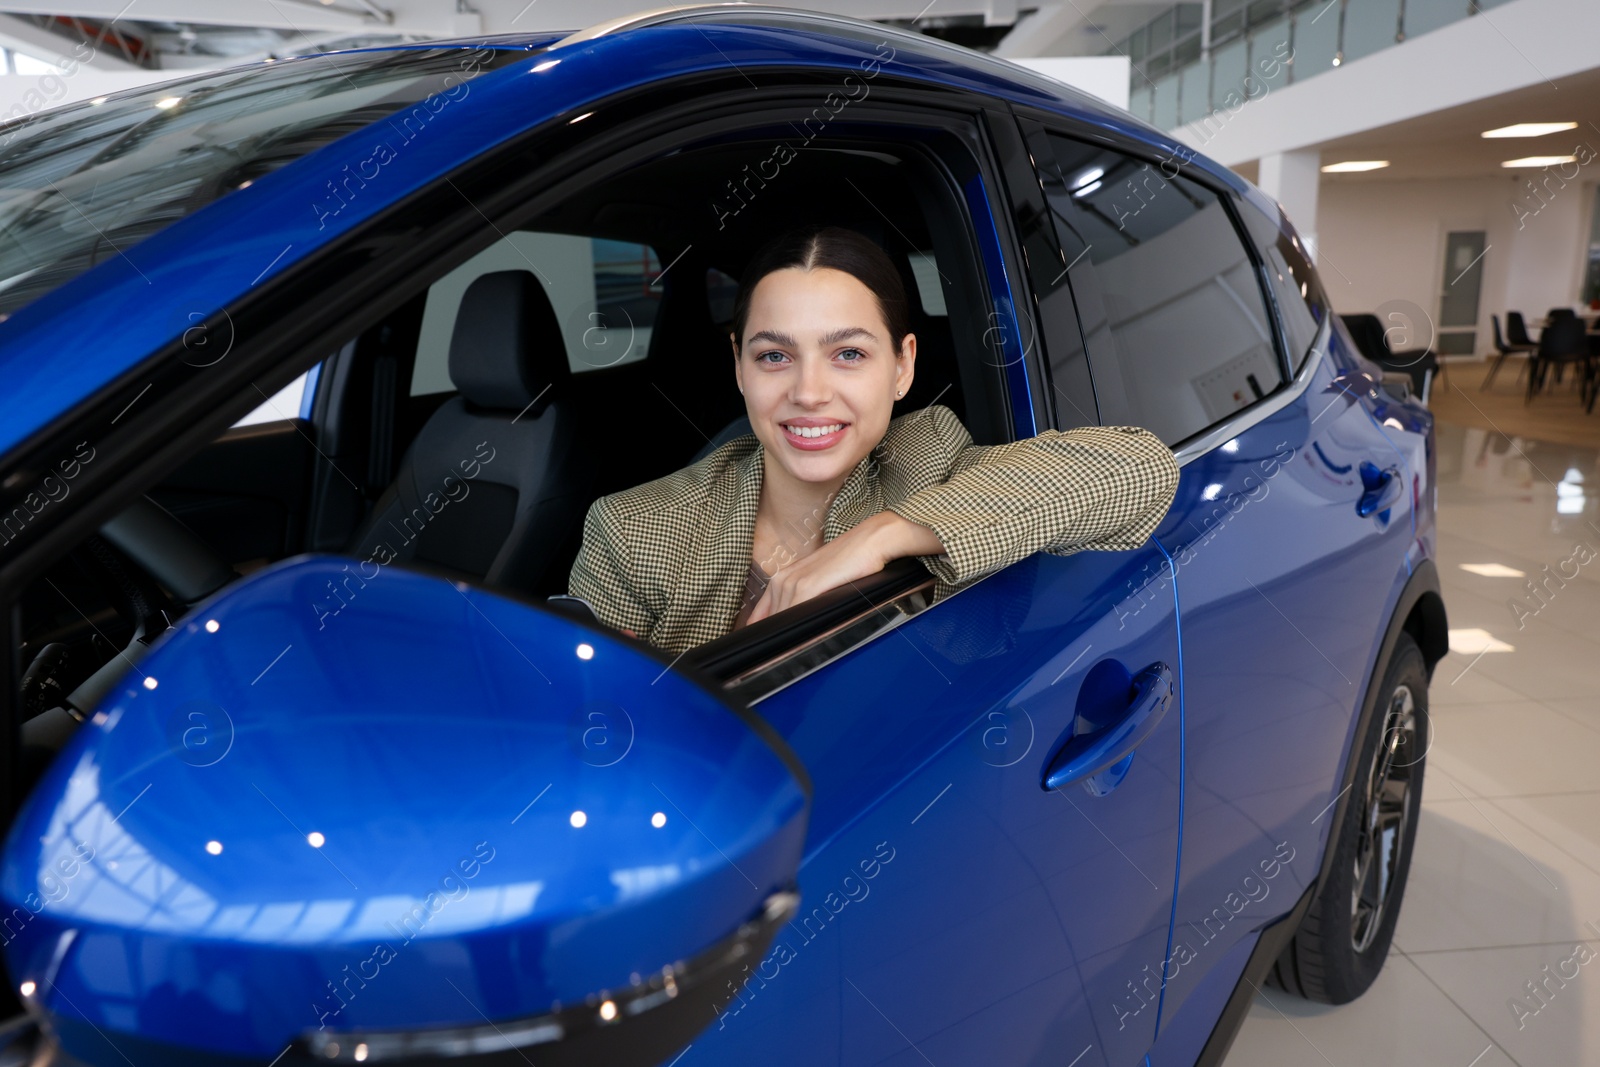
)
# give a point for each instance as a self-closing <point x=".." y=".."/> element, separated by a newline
<point x="1344" y="937"/>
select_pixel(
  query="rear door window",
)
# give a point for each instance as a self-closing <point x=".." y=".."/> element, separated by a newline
<point x="605" y="294"/>
<point x="1180" y="335"/>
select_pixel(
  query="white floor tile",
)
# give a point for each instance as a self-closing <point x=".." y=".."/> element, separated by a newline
<point x="1506" y="874"/>
<point x="1558" y="1028"/>
<point x="1403" y="1020"/>
<point x="1482" y="878"/>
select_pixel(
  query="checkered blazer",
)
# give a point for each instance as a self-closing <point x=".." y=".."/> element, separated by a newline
<point x="668" y="559"/>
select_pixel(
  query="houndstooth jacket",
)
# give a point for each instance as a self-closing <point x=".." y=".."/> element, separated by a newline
<point x="669" y="559"/>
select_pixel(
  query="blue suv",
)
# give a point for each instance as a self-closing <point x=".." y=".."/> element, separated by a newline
<point x="311" y="371"/>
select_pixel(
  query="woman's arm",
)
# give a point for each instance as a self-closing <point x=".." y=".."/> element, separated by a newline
<point x="863" y="549"/>
<point x="1094" y="487"/>
<point x="601" y="575"/>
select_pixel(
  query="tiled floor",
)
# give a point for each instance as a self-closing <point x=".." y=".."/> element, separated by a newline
<point x="1506" y="875"/>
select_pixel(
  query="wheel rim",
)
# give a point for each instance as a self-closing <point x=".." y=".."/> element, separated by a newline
<point x="1385" y="817"/>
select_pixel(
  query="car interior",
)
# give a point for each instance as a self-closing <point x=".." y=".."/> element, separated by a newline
<point x="467" y="432"/>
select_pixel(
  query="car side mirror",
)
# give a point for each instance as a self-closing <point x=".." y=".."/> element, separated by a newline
<point x="363" y="814"/>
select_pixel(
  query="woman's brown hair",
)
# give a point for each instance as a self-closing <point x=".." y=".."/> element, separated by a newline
<point x="811" y="247"/>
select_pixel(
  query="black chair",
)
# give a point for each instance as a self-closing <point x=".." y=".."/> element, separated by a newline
<point x="1565" y="340"/>
<point x="1517" y="331"/>
<point x="1369" y="335"/>
<point x="1504" y="350"/>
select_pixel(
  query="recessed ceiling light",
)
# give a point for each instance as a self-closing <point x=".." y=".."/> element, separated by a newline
<point x="1355" y="165"/>
<point x="1539" y="161"/>
<point x="1530" y="129"/>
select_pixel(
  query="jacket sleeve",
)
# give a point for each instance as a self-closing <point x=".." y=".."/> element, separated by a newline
<point x="1094" y="487"/>
<point x="603" y="575"/>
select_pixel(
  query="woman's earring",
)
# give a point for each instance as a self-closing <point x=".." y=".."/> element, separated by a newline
<point x="899" y="392"/>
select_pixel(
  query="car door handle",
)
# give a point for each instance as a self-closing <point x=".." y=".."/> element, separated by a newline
<point x="1086" y="755"/>
<point x="1380" y="488"/>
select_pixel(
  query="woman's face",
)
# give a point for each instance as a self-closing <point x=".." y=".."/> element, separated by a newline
<point x="818" y="371"/>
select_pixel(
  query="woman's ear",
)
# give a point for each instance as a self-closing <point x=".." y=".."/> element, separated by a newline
<point x="738" y="369"/>
<point x="906" y="365"/>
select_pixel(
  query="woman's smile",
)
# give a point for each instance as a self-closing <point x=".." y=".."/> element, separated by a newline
<point x="811" y="434"/>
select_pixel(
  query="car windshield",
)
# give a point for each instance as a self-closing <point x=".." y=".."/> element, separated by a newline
<point x="81" y="184"/>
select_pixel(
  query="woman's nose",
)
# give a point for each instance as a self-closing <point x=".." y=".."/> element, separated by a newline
<point x="811" y="383"/>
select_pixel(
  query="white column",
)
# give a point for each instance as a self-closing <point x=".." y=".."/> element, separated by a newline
<point x="1293" y="178"/>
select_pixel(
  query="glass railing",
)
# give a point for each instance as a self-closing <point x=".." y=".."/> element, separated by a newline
<point x="1300" y="40"/>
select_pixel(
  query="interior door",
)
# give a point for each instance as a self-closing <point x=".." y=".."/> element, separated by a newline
<point x="952" y="907"/>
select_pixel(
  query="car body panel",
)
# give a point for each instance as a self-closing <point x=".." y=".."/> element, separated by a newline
<point x="1010" y="913"/>
<point x="427" y="736"/>
<point x="1281" y="581"/>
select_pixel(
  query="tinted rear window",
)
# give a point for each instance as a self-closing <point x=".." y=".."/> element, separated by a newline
<point x="82" y="184"/>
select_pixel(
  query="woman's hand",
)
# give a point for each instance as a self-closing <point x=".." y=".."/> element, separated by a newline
<point x="856" y="553"/>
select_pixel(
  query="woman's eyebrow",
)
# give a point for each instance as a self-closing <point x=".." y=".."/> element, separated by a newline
<point x="844" y="333"/>
<point x="777" y="337"/>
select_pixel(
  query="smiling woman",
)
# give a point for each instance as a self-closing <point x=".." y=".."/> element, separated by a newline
<point x="827" y="489"/>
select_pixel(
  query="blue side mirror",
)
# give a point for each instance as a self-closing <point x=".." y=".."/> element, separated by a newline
<point x="381" y="817"/>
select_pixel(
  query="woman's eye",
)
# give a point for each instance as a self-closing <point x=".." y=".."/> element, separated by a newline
<point x="856" y="353"/>
<point x="776" y="357"/>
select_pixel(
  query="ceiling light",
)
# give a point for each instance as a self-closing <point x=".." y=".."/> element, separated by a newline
<point x="1355" y="165"/>
<point x="1530" y="129"/>
<point x="167" y="103"/>
<point x="1539" y="161"/>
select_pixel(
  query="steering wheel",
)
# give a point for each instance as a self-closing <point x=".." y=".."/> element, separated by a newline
<point x="167" y="556"/>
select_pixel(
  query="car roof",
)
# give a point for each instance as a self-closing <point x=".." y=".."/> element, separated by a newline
<point x="218" y="253"/>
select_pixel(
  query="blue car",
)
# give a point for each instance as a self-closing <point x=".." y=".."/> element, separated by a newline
<point x="311" y="371"/>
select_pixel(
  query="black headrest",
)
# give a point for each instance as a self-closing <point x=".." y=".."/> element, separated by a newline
<point x="507" y="347"/>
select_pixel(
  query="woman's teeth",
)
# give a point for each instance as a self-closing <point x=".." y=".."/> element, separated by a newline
<point x="814" y="431"/>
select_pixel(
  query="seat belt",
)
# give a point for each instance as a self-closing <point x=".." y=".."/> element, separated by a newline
<point x="380" y="445"/>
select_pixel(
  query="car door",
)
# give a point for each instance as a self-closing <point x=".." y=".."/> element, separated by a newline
<point x="954" y="909"/>
<point x="1288" y="533"/>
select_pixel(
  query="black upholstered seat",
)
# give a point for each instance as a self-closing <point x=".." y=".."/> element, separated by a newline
<point x="495" y="485"/>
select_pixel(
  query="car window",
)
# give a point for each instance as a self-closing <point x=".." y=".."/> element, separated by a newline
<point x="286" y="403"/>
<point x="1180" y="336"/>
<point x="1301" y="299"/>
<point x="91" y="180"/>
<point x="604" y="292"/>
